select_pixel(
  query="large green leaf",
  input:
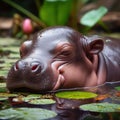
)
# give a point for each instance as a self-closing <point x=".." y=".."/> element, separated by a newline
<point x="101" y="107"/>
<point x="75" y="95"/>
<point x="26" y="114"/>
<point x="55" y="12"/>
<point x="93" y="16"/>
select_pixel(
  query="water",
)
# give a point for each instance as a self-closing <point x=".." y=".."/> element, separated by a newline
<point x="68" y="109"/>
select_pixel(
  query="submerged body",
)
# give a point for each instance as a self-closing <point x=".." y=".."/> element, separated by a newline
<point x="60" y="57"/>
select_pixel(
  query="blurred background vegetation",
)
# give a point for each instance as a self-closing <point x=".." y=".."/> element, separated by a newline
<point x="83" y="15"/>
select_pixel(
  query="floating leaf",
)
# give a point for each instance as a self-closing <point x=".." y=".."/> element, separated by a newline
<point x="12" y="41"/>
<point x="3" y="87"/>
<point x="34" y="99"/>
<point x="3" y="90"/>
<point x="9" y="52"/>
<point x="117" y="88"/>
<point x="3" y="72"/>
<point x="7" y="95"/>
<point x="26" y="114"/>
<point x="31" y="97"/>
<point x="93" y="16"/>
<point x="101" y="107"/>
<point x="76" y="95"/>
<point x="4" y="98"/>
<point x="42" y="101"/>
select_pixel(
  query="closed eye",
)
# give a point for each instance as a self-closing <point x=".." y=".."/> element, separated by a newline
<point x="65" y="53"/>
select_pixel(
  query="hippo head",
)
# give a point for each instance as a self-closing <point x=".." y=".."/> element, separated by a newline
<point x="57" y="57"/>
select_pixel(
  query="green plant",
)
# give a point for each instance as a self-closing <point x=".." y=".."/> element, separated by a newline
<point x="51" y="12"/>
<point x="55" y="12"/>
<point x="93" y="17"/>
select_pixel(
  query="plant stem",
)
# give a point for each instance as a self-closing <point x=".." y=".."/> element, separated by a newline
<point x="26" y="12"/>
<point x="103" y="25"/>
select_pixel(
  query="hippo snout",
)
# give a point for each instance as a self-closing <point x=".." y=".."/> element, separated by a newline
<point x="33" y="66"/>
<point x="29" y="74"/>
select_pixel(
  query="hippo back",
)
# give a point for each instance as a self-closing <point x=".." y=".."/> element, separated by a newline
<point x="111" y="53"/>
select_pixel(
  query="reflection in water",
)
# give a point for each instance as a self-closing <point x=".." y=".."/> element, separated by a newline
<point x="70" y="114"/>
<point x="68" y="109"/>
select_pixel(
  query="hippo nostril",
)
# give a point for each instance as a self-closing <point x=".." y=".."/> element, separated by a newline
<point x="26" y="66"/>
<point x="34" y="67"/>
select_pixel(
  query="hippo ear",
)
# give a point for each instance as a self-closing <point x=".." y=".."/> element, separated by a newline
<point x="95" y="46"/>
<point x="25" y="48"/>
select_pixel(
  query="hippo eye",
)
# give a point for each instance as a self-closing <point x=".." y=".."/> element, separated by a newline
<point x="65" y="53"/>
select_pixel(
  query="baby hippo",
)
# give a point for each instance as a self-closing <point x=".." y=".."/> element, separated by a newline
<point x="62" y="58"/>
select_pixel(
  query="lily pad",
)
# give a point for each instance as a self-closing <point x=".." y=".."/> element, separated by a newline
<point x="31" y="97"/>
<point x="36" y="99"/>
<point x="101" y="107"/>
<point x="117" y="88"/>
<point x="42" y="101"/>
<point x="7" y="95"/>
<point x="76" y="95"/>
<point x="26" y="114"/>
<point x="3" y="90"/>
<point x="3" y="87"/>
<point x="9" y="41"/>
<point x="3" y="72"/>
<point x="4" y="98"/>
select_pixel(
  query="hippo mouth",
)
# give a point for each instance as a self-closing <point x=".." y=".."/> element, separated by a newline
<point x="24" y="88"/>
<point x="60" y="82"/>
<point x="25" y="80"/>
<point x="58" y="75"/>
<point x="51" y="80"/>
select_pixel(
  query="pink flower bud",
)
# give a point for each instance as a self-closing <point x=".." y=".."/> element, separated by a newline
<point x="27" y="26"/>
